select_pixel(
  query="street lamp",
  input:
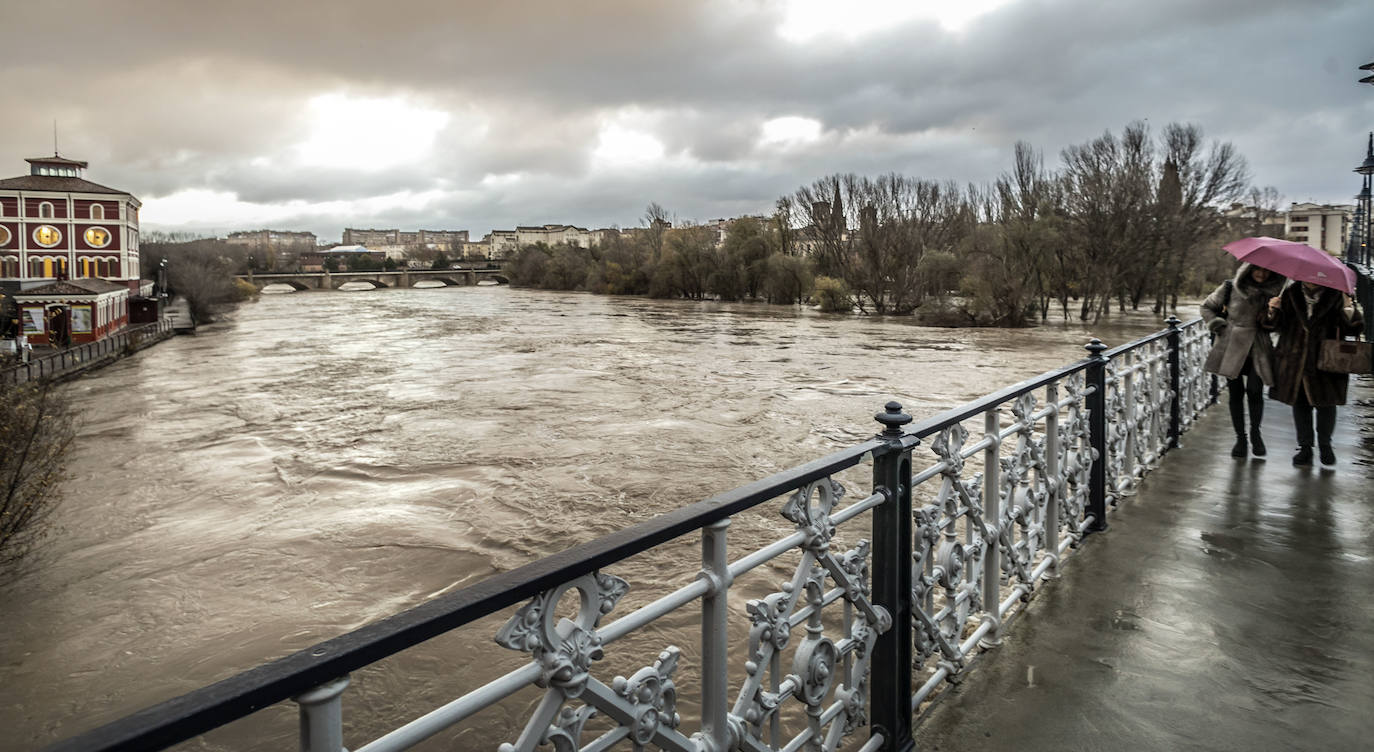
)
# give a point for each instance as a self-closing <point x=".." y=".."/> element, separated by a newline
<point x="1362" y="217"/>
<point x="1358" y="251"/>
<point x="1362" y="235"/>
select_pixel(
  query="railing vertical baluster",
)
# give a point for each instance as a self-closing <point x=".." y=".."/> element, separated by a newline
<point x="715" y="638"/>
<point x="321" y="714"/>
<point x="774" y="683"/>
<point x="1097" y="435"/>
<point x="1175" y="382"/>
<point x="992" y="516"/>
<point x="892" y="524"/>
<point x="1056" y="485"/>
<point x="1129" y="410"/>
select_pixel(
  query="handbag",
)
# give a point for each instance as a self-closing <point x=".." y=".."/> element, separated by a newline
<point x="1342" y="355"/>
<point x="1346" y="356"/>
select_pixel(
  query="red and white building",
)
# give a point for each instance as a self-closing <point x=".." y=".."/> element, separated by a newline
<point x="68" y="252"/>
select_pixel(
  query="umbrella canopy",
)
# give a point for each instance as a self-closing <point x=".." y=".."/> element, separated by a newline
<point x="1295" y="261"/>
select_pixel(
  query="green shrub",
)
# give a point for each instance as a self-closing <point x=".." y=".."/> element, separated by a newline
<point x="832" y="295"/>
<point x="244" y="290"/>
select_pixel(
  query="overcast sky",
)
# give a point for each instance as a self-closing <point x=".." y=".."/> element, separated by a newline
<point x="478" y="115"/>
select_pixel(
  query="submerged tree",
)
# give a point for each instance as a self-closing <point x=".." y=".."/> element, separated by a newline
<point x="873" y="232"/>
<point x="200" y="270"/>
<point x="35" y="432"/>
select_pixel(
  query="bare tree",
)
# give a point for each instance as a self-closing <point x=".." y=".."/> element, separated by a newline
<point x="657" y="223"/>
<point x="784" y="215"/>
<point x="824" y="205"/>
<point x="422" y="255"/>
<point x="873" y="233"/>
<point x="200" y="270"/>
<point x="1030" y="211"/>
<point x="35" y="432"/>
<point x="1265" y="204"/>
<point x="1206" y="182"/>
<point x="1109" y="195"/>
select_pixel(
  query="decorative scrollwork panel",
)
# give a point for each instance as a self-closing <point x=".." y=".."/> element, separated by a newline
<point x="643" y="707"/>
<point x="829" y="673"/>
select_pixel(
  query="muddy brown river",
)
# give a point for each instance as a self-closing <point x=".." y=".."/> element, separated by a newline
<point x="318" y="461"/>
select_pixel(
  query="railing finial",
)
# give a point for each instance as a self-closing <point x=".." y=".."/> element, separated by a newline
<point x="1096" y="348"/>
<point x="892" y="419"/>
<point x="1173" y="321"/>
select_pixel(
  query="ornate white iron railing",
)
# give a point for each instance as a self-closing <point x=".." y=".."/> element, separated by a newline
<point x="861" y="632"/>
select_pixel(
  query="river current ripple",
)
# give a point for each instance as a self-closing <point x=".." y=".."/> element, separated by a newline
<point x="319" y="461"/>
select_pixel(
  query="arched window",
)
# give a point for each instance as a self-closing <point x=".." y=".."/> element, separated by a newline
<point x="9" y="266"/>
<point x="35" y="267"/>
<point x="45" y="210"/>
<point x="97" y="211"/>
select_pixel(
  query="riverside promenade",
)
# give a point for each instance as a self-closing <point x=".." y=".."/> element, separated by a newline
<point x="1228" y="607"/>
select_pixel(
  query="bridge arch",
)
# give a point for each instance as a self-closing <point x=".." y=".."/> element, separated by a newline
<point x="447" y="279"/>
<point x="377" y="284"/>
<point x="294" y="284"/>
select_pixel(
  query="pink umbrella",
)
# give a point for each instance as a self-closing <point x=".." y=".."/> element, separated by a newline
<point x="1295" y="261"/>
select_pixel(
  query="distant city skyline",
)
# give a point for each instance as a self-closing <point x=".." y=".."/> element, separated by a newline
<point x="426" y="114"/>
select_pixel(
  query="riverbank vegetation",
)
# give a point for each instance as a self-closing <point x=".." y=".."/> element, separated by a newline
<point x="35" y="432"/>
<point x="201" y="270"/>
<point x="1126" y="221"/>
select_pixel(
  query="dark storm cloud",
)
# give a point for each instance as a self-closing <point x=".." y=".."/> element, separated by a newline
<point x="169" y="96"/>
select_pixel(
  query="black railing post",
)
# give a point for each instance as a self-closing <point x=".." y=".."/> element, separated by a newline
<point x="891" y="666"/>
<point x="1097" y="436"/>
<point x="1175" y="380"/>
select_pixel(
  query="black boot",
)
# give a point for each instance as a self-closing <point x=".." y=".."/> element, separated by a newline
<point x="1240" y="449"/>
<point x="1328" y="455"/>
<point x="1256" y="442"/>
<point x="1304" y="457"/>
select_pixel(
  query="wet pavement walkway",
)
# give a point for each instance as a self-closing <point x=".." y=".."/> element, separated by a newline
<point x="1229" y="607"/>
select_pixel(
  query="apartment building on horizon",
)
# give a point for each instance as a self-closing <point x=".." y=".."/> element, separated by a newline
<point x="1324" y="226"/>
<point x="503" y="243"/>
<point x="393" y="237"/>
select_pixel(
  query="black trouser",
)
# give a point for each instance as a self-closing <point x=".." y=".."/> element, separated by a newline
<point x="1302" y="418"/>
<point x="1246" y="387"/>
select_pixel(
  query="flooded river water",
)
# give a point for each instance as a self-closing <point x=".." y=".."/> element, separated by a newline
<point x="321" y="460"/>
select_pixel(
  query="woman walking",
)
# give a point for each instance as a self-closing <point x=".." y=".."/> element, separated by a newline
<point x="1305" y="315"/>
<point x="1243" y="353"/>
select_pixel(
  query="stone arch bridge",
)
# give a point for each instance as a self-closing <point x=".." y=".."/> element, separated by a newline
<point x="398" y="278"/>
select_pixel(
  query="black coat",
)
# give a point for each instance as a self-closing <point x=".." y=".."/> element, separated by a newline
<point x="1300" y="343"/>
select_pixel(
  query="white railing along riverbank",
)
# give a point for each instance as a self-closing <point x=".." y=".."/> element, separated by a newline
<point x="82" y="357"/>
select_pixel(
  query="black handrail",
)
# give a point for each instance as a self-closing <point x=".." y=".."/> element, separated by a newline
<point x="1120" y="349"/>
